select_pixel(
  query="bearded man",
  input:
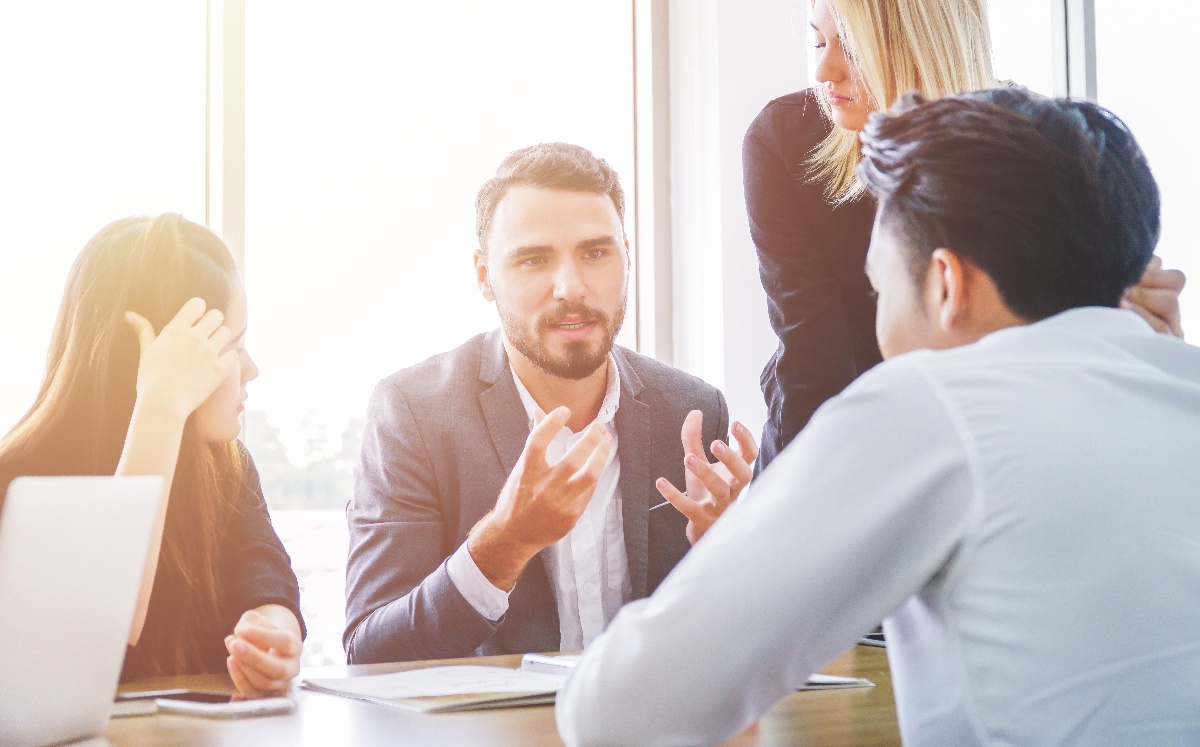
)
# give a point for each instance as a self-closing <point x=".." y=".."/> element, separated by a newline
<point x="505" y="500"/>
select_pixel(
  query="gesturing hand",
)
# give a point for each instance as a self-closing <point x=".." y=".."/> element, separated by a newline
<point x="711" y="488"/>
<point x="182" y="365"/>
<point x="540" y="502"/>
<point x="263" y="656"/>
<point x="1156" y="297"/>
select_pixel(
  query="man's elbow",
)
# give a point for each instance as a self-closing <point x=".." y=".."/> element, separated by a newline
<point x="366" y="641"/>
<point x="590" y="715"/>
<point x="582" y="725"/>
<point x="355" y="653"/>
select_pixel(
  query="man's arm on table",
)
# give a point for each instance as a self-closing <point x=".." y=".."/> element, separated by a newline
<point x="401" y="604"/>
<point x="849" y="522"/>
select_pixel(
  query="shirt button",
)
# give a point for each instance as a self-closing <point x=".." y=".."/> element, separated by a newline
<point x="587" y="588"/>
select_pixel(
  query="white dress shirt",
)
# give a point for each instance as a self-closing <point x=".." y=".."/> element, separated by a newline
<point x="1025" y="509"/>
<point x="588" y="568"/>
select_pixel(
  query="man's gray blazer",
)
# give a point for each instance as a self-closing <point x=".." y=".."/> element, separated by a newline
<point x="440" y="441"/>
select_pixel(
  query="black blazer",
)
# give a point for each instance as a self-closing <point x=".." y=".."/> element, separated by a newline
<point x="810" y="257"/>
<point x="441" y="439"/>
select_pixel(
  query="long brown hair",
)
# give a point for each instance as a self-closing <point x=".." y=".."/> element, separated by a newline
<point x="78" y="422"/>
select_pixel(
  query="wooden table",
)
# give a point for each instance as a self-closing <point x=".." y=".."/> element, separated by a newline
<point x="838" y="717"/>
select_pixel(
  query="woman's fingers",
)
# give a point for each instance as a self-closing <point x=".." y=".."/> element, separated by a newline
<point x="209" y="323"/>
<point x="266" y="638"/>
<point x="249" y="682"/>
<point x="257" y="660"/>
<point x="220" y="338"/>
<point x="187" y="316"/>
<point x="265" y="670"/>
<point x="262" y="684"/>
<point x="267" y="656"/>
<point x="239" y="680"/>
<point x="142" y="328"/>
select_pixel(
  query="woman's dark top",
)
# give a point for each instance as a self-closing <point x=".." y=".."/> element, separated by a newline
<point x="811" y="257"/>
<point x="254" y="570"/>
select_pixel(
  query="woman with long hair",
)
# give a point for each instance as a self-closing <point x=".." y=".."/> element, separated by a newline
<point x="811" y="222"/>
<point x="146" y="376"/>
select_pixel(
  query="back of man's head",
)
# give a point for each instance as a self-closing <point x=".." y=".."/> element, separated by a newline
<point x="1052" y="198"/>
<point x="559" y="166"/>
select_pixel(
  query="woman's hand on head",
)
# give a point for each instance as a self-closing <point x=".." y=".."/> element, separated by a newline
<point x="182" y="365"/>
<point x="264" y="651"/>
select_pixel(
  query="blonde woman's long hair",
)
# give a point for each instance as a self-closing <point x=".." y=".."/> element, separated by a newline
<point x="937" y="47"/>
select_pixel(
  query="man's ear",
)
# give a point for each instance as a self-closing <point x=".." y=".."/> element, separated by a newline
<point x="946" y="292"/>
<point x="481" y="276"/>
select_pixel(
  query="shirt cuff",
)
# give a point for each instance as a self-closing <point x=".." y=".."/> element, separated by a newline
<point x="482" y="594"/>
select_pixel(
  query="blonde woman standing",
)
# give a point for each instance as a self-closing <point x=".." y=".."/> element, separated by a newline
<point x="811" y="222"/>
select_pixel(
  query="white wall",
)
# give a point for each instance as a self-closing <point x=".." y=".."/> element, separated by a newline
<point x="727" y="60"/>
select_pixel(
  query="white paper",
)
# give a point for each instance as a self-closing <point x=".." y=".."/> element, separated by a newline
<point x="551" y="664"/>
<point x="565" y="662"/>
<point x="437" y="681"/>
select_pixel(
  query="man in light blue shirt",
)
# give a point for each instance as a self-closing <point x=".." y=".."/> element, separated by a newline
<point x="1015" y="488"/>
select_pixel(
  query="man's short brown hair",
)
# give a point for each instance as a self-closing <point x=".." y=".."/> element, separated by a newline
<point x="549" y="166"/>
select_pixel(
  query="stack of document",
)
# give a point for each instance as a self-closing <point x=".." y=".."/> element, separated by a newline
<point x="446" y="689"/>
<point x="466" y="688"/>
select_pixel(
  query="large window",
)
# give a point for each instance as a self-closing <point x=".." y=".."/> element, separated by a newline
<point x="1145" y="61"/>
<point x="1023" y="42"/>
<point x="369" y="128"/>
<point x="103" y="118"/>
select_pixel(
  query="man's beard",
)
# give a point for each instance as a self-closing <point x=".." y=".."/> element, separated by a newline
<point x="581" y="359"/>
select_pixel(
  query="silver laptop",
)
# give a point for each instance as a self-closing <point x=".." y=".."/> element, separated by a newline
<point x="72" y="551"/>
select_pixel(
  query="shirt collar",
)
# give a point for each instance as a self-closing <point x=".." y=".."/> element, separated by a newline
<point x="608" y="408"/>
<point x="1092" y="321"/>
<point x="1098" y="320"/>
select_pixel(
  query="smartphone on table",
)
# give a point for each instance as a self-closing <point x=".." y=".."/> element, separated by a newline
<point x="211" y="704"/>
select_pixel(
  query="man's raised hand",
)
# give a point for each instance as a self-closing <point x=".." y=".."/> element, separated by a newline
<point x="540" y="502"/>
<point x="711" y="487"/>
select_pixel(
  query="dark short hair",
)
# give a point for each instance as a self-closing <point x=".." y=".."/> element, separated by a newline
<point x="549" y="166"/>
<point x="1052" y="198"/>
